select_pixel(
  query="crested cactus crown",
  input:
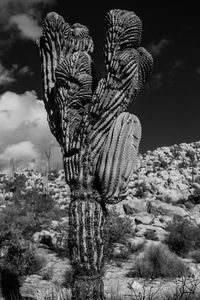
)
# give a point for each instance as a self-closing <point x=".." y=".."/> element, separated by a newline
<point x="92" y="127"/>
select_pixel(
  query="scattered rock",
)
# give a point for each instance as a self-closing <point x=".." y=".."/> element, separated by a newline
<point x="145" y="219"/>
<point x="160" y="208"/>
<point x="157" y="233"/>
<point x="136" y="243"/>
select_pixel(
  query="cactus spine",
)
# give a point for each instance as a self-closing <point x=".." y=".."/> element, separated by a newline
<point x="99" y="141"/>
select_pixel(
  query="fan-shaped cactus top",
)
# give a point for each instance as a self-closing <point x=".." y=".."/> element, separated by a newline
<point x="98" y="138"/>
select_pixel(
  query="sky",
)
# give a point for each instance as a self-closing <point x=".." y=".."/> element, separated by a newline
<point x="168" y="106"/>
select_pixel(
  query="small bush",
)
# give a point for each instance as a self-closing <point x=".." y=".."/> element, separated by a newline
<point x="10" y="284"/>
<point x="53" y="175"/>
<point x="123" y="254"/>
<point x="141" y="190"/>
<point x="20" y="259"/>
<point x="151" y="235"/>
<point x="185" y="289"/>
<point x="117" y="230"/>
<point x="68" y="279"/>
<point x="136" y="247"/>
<point x="48" y="274"/>
<point x="157" y="261"/>
<point x="27" y="214"/>
<point x="183" y="237"/>
<point x="195" y="255"/>
<point x="37" y="264"/>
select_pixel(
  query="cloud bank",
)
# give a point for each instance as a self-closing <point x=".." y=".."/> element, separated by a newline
<point x="24" y="131"/>
<point x="23" y="15"/>
<point x="28" y="27"/>
<point x="8" y="76"/>
<point x="156" y="48"/>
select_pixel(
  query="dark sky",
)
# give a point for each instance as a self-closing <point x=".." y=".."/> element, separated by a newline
<point x="169" y="106"/>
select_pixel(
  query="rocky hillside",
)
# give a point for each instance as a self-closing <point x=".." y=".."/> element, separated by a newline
<point x="55" y="186"/>
<point x="165" y="186"/>
<point x="168" y="174"/>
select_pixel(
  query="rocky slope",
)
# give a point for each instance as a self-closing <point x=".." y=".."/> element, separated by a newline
<point x="165" y="186"/>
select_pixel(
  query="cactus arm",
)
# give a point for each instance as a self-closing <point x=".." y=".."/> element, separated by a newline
<point x="123" y="35"/>
<point x="119" y="154"/>
<point x="80" y="39"/>
<point x="145" y="66"/>
<point x="73" y="87"/>
<point x="123" y="30"/>
<point x="53" y="49"/>
<point x="67" y="80"/>
<point x="128" y="69"/>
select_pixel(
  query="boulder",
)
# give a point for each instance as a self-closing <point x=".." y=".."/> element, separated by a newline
<point x="160" y="208"/>
<point x="151" y="232"/>
<point x="136" y="243"/>
<point x="146" y="219"/>
<point x="133" y="206"/>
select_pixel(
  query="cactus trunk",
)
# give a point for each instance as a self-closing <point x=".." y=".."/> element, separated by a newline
<point x="86" y="244"/>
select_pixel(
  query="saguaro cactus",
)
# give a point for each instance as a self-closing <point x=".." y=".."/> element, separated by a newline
<point x="99" y="140"/>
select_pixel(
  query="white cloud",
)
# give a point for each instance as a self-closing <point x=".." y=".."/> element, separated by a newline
<point x="23" y="118"/>
<point x="156" y="48"/>
<point x="22" y="2"/>
<point x="10" y="7"/>
<point x="27" y="26"/>
<point x="26" y="14"/>
<point x="6" y="76"/>
<point x="26" y="70"/>
<point x="23" y="152"/>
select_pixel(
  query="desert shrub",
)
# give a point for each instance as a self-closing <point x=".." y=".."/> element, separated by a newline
<point x="20" y="258"/>
<point x="10" y="285"/>
<point x="118" y="229"/>
<point x="197" y="179"/>
<point x="195" y="255"/>
<point x="157" y="261"/>
<point x="141" y="189"/>
<point x="185" y="289"/>
<point x="183" y="237"/>
<point x="53" y="175"/>
<point x="68" y="278"/>
<point x="16" y="185"/>
<point x="151" y="235"/>
<point x="48" y="273"/>
<point x="122" y="255"/>
<point x="195" y="198"/>
<point x="137" y="247"/>
<point x="18" y="222"/>
<point x="183" y="165"/>
<point x="163" y="164"/>
<point x="37" y="264"/>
